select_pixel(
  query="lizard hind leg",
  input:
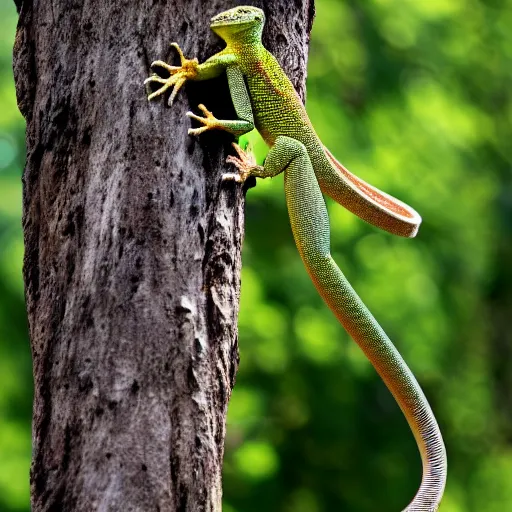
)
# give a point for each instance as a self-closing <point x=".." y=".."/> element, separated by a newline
<point x="279" y="156"/>
<point x="310" y="226"/>
<point x="369" y="203"/>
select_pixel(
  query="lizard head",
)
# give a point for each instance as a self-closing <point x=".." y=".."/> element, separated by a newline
<point x="243" y="21"/>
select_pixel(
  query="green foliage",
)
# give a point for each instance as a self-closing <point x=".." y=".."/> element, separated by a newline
<point x="413" y="96"/>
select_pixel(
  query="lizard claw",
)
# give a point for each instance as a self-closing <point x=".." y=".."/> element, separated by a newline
<point x="232" y="176"/>
<point x="244" y="162"/>
<point x="209" y="121"/>
<point x="183" y="59"/>
<point x="178" y="75"/>
<point x="162" y="64"/>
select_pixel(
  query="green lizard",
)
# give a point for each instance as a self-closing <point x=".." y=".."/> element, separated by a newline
<point x="265" y="99"/>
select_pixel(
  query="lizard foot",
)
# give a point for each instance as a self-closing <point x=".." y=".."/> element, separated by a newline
<point x="179" y="75"/>
<point x="209" y="121"/>
<point x="245" y="163"/>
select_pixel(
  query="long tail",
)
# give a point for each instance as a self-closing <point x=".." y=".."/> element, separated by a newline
<point x="368" y="334"/>
<point x="310" y="226"/>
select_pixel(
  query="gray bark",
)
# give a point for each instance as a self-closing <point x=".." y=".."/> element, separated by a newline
<point x="132" y="264"/>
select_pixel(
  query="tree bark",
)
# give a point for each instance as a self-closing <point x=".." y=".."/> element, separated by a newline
<point x="132" y="263"/>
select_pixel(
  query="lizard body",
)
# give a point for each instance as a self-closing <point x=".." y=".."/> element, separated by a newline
<point x="265" y="99"/>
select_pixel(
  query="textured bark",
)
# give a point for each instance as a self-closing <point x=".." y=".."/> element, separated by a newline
<point x="132" y="264"/>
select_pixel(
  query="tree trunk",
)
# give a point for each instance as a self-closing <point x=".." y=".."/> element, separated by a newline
<point x="132" y="263"/>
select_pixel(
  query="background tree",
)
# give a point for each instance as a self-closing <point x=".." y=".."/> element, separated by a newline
<point x="415" y="97"/>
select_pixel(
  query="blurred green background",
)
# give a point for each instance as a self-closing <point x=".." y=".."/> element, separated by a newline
<point x="414" y="96"/>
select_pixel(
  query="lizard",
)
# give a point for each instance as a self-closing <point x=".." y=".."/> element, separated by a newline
<point x="264" y="98"/>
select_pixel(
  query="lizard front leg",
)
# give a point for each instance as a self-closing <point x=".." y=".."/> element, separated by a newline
<point x="241" y="102"/>
<point x="236" y="127"/>
<point x="189" y="69"/>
